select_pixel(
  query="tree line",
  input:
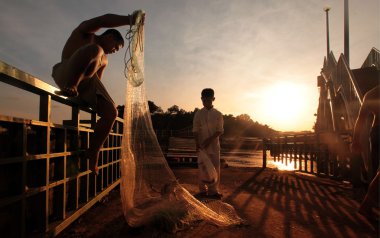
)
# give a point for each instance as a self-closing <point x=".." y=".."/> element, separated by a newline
<point x="176" y="118"/>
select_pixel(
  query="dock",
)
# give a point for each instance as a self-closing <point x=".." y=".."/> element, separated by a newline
<point x="274" y="204"/>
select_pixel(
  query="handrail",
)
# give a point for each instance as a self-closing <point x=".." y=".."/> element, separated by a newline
<point x="15" y="77"/>
<point x="45" y="183"/>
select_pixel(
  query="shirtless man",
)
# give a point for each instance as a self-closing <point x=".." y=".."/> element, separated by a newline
<point x="370" y="106"/>
<point x="83" y="60"/>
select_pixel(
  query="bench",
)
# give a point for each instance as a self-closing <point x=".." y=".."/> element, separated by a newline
<point x="181" y="151"/>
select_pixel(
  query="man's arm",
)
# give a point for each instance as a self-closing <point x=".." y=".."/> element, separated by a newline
<point x="219" y="132"/>
<point x="106" y="21"/>
<point x="208" y="141"/>
<point x="196" y="138"/>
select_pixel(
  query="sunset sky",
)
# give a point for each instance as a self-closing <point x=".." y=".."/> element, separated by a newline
<point x="261" y="57"/>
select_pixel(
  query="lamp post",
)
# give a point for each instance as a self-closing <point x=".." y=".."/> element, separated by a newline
<point x="346" y="33"/>
<point x="326" y="9"/>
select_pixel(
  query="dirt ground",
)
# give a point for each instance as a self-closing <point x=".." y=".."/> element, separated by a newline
<point x="273" y="203"/>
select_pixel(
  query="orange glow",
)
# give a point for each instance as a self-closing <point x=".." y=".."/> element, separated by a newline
<point x="283" y="167"/>
<point x="284" y="104"/>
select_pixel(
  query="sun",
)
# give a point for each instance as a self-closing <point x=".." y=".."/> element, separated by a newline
<point x="283" y="105"/>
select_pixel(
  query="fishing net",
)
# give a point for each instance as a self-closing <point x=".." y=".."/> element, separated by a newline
<point x="150" y="192"/>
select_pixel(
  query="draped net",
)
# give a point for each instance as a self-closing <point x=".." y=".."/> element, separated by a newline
<point x="150" y="192"/>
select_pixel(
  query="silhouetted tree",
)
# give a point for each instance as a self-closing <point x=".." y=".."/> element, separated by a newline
<point x="153" y="108"/>
<point x="173" y="109"/>
<point x="176" y="118"/>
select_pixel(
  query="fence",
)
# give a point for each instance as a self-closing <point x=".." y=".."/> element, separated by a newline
<point x="322" y="154"/>
<point x="44" y="183"/>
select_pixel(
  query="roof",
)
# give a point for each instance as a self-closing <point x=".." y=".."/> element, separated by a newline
<point x="366" y="78"/>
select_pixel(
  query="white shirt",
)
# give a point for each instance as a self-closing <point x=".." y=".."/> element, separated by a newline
<point x="206" y="122"/>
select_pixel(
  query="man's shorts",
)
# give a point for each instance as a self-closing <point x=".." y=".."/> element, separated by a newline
<point x="89" y="88"/>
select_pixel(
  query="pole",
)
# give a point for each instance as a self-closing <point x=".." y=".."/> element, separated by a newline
<point x="346" y="33"/>
<point x="326" y="9"/>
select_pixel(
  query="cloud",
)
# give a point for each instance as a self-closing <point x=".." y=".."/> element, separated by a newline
<point x="237" y="47"/>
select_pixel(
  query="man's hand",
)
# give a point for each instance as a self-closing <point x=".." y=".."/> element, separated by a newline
<point x="134" y="17"/>
<point x="207" y="143"/>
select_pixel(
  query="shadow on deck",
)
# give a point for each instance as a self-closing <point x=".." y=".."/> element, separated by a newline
<point x="274" y="203"/>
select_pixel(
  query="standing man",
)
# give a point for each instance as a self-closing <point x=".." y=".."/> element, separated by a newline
<point x="83" y="60"/>
<point x="370" y="106"/>
<point x="207" y="127"/>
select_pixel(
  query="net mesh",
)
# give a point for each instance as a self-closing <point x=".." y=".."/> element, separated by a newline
<point x="150" y="192"/>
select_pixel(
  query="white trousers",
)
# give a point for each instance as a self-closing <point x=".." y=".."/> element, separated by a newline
<point x="214" y="187"/>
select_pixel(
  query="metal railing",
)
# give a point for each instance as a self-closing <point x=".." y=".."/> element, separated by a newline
<point x="320" y="154"/>
<point x="45" y="184"/>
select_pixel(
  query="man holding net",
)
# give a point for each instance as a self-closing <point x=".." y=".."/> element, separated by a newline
<point x="207" y="127"/>
<point x="83" y="60"/>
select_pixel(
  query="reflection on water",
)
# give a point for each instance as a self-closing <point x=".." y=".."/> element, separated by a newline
<point x="281" y="166"/>
<point x="251" y="159"/>
<point x="255" y="159"/>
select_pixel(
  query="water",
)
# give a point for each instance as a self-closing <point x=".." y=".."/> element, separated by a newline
<point x="251" y="159"/>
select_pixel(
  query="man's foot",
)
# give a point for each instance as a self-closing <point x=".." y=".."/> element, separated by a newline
<point x="93" y="167"/>
<point x="68" y="92"/>
<point x="215" y="196"/>
<point x="92" y="163"/>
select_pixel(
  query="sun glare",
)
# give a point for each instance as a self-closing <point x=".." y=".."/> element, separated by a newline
<point x="283" y="105"/>
<point x="283" y="167"/>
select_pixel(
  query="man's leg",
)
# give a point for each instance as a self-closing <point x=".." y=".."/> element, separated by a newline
<point x="84" y="63"/>
<point x="201" y="184"/>
<point x="213" y="189"/>
<point x="107" y="112"/>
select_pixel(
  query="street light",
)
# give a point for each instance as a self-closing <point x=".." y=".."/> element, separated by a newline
<point x="326" y="9"/>
<point x="346" y="33"/>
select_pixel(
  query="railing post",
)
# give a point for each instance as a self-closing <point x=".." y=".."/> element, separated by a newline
<point x="305" y="151"/>
<point x="265" y="152"/>
<point x="45" y="108"/>
<point x="287" y="150"/>
<point x="317" y="155"/>
<point x="45" y="115"/>
<point x="295" y="152"/>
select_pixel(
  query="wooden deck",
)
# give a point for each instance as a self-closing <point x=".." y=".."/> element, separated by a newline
<point x="273" y="203"/>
